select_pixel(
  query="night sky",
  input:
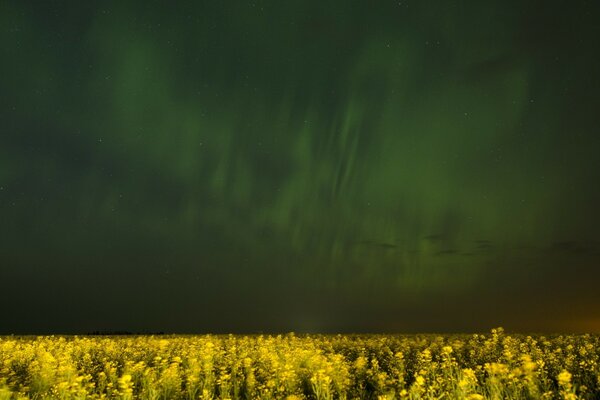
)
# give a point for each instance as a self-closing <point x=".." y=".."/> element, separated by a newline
<point x="308" y="166"/>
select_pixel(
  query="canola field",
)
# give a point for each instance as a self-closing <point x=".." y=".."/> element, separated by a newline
<point x="479" y="366"/>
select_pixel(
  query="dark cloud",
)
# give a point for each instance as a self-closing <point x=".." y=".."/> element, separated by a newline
<point x="571" y="247"/>
<point x="483" y="245"/>
<point x="446" y="252"/>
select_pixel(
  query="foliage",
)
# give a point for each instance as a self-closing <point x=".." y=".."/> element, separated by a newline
<point x="490" y="366"/>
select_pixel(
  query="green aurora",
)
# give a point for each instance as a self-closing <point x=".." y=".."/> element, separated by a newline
<point x="335" y="166"/>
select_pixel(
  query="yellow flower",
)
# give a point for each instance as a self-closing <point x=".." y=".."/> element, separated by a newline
<point x="125" y="384"/>
<point x="528" y="365"/>
<point x="496" y="368"/>
<point x="564" y="378"/>
<point x="474" y="396"/>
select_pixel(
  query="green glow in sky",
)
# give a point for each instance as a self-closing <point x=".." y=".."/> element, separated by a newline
<point x="308" y="166"/>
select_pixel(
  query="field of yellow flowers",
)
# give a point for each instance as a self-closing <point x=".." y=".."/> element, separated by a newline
<point x="490" y="366"/>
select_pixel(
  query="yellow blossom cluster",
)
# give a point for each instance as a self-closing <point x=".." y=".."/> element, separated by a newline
<point x="294" y="367"/>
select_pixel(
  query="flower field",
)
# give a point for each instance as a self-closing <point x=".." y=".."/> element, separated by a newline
<point x="479" y="366"/>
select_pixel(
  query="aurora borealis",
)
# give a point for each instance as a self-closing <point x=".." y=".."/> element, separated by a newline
<point x="343" y="166"/>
